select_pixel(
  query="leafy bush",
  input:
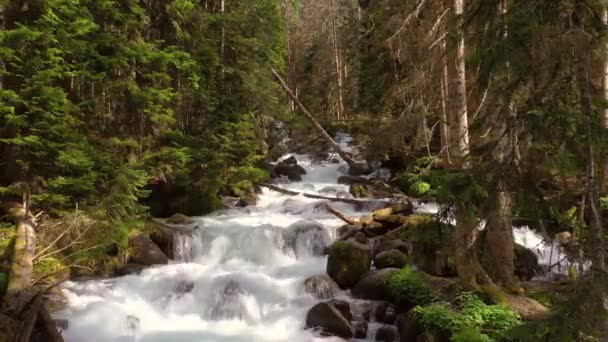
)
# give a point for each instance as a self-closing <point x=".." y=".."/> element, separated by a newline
<point x="420" y="188"/>
<point x="468" y="319"/>
<point x="408" y="285"/>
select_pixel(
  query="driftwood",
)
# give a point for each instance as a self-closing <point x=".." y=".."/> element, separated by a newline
<point x="340" y="215"/>
<point x="357" y="202"/>
<point x="359" y="166"/>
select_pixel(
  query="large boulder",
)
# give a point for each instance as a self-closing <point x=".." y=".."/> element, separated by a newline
<point x="374" y="285"/>
<point x="408" y="327"/>
<point x="348" y="261"/>
<point x="387" y="333"/>
<point x="386" y="313"/>
<point x="385" y="244"/>
<point x="526" y="263"/>
<point x="321" y="287"/>
<point x="390" y="259"/>
<point x="329" y="320"/>
<point x="228" y="303"/>
<point x="306" y="238"/>
<point x="290" y="168"/>
<point x="145" y="252"/>
<point x="360" y="329"/>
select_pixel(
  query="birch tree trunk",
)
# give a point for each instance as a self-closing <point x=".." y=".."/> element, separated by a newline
<point x="337" y="61"/>
<point x="605" y="69"/>
<point x="445" y="122"/>
<point x="462" y="121"/>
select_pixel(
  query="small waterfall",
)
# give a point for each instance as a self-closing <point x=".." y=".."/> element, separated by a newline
<point x="186" y="246"/>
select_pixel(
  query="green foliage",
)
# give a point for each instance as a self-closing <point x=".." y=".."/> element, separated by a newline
<point x="468" y="319"/>
<point x="420" y="188"/>
<point x="604" y="204"/>
<point x="100" y="100"/>
<point x="409" y="285"/>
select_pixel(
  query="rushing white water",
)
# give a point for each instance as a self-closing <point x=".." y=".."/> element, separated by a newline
<point x="240" y="278"/>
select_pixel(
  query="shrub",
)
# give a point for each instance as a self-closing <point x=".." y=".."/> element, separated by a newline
<point x="468" y="319"/>
<point x="409" y="285"/>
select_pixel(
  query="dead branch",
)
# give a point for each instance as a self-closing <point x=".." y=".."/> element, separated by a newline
<point x="346" y="156"/>
<point x="340" y="215"/>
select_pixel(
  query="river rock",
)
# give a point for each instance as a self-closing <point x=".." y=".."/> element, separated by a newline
<point x="386" y="313"/>
<point x="374" y="285"/>
<point x="385" y="244"/>
<point x="290" y="161"/>
<point x="408" y="327"/>
<point x="360" y="329"/>
<point x="387" y="333"/>
<point x="373" y="189"/>
<point x="290" y="168"/>
<point x="374" y="229"/>
<point x="128" y="269"/>
<point x="348" y="261"/>
<point x="306" y="238"/>
<point x="321" y="286"/>
<point x="180" y="219"/>
<point x="328" y="319"/>
<point x="390" y="259"/>
<point x="144" y="251"/>
<point x="526" y="263"/>
<point x="347" y="231"/>
<point x="227" y="302"/>
<point x="348" y="180"/>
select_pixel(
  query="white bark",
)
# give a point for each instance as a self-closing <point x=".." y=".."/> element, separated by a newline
<point x="462" y="120"/>
<point x="605" y="68"/>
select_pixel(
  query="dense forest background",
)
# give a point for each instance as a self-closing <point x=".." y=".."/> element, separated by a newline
<point x="112" y="111"/>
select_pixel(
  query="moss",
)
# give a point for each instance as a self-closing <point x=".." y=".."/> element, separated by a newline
<point x="347" y="262"/>
<point x="410" y="286"/>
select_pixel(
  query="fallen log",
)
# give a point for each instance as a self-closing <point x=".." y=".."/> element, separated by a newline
<point x="360" y="167"/>
<point x="340" y="215"/>
<point x="359" y="203"/>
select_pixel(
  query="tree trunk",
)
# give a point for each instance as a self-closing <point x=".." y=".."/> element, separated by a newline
<point x="359" y="167"/>
<point x="445" y="123"/>
<point x="499" y="237"/>
<point x="337" y="61"/>
<point x="605" y="70"/>
<point x="469" y="269"/>
<point x="462" y="121"/>
<point x="499" y="221"/>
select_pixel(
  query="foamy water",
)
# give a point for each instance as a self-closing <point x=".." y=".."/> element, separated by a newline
<point x="239" y="278"/>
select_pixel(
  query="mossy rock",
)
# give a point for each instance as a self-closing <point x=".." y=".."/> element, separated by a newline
<point x="360" y="191"/>
<point x="391" y="259"/>
<point x="413" y="287"/>
<point x="348" y="261"/>
<point x="180" y="219"/>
